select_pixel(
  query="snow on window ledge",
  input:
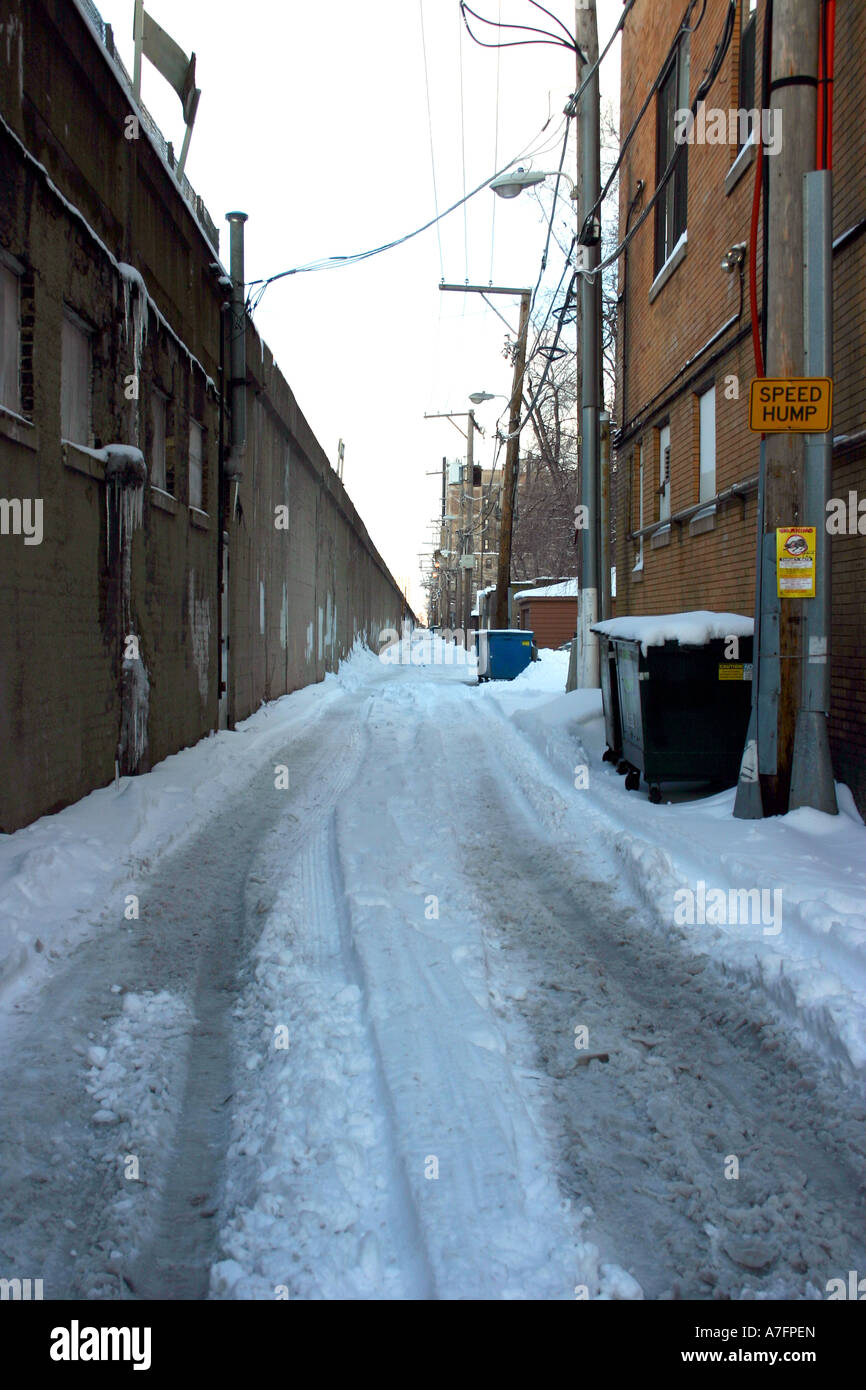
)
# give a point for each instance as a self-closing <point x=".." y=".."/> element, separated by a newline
<point x="704" y="520"/>
<point x="677" y="256"/>
<point x="740" y="164"/>
<point x="199" y="518"/>
<point x="162" y="499"/>
<point x="18" y="428"/>
<point x="83" y="460"/>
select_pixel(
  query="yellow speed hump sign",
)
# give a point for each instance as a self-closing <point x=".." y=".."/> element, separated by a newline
<point x="802" y="405"/>
<point x="795" y="561"/>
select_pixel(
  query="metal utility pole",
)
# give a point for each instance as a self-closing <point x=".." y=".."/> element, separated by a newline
<point x="469" y="539"/>
<point x="794" y="65"/>
<point x="604" y="516"/>
<point x="812" y="781"/>
<point x="510" y="471"/>
<point x="589" y="138"/>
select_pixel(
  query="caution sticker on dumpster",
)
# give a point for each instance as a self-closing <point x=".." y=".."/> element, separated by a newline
<point x="735" y="670"/>
<point x="801" y="405"/>
<point x="795" y="561"/>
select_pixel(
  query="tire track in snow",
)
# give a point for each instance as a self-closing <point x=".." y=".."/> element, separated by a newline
<point x="697" y="1071"/>
<point x="492" y="1222"/>
<point x="319" y="1203"/>
<point x="67" y="1212"/>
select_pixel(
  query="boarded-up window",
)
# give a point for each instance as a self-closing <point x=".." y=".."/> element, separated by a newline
<point x="707" y="404"/>
<point x="157" y="440"/>
<point x="75" y="381"/>
<point x="638" y="481"/>
<point x="664" y="493"/>
<point x="10" y="350"/>
<point x="196" y="465"/>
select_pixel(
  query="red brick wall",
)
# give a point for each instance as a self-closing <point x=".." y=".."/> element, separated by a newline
<point x="659" y="381"/>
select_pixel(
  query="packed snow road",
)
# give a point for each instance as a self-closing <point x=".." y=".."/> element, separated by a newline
<point x="385" y="1026"/>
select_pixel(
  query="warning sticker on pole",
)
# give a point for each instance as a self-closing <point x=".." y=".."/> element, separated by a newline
<point x="802" y="405"/>
<point x="795" y="561"/>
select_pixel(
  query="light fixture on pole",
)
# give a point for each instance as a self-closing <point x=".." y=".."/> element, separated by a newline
<point x="513" y="182"/>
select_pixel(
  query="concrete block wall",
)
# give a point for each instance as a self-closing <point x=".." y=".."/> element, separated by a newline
<point x="80" y="202"/>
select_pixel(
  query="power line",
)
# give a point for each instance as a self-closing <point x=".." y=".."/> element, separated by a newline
<point x="495" y="150"/>
<point x="556" y="40"/>
<point x="463" y="154"/>
<point x="336" y="262"/>
<point x="430" y="128"/>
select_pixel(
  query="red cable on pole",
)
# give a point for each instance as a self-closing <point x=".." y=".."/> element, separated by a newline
<point x="753" y="260"/>
<point x="822" y="89"/>
<point x="829" y="65"/>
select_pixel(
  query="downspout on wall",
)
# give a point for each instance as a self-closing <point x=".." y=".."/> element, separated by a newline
<point x="234" y="464"/>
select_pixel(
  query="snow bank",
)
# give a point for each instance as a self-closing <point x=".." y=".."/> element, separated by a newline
<point x="689" y="629"/>
<point x="808" y="956"/>
<point x="58" y="874"/>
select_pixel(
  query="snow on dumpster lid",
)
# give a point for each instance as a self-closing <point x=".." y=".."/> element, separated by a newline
<point x="690" y="629"/>
<point x="567" y="588"/>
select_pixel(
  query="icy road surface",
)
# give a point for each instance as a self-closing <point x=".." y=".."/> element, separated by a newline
<point x="338" y="1052"/>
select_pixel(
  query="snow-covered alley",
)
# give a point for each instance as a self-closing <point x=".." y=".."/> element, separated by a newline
<point x="375" y="998"/>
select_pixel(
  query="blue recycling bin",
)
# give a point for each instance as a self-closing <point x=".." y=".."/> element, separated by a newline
<point x="503" y="653"/>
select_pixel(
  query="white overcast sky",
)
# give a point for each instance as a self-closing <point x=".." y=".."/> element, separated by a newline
<point x="313" y="120"/>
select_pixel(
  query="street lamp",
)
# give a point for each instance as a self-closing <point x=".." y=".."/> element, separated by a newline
<point x="513" y="182"/>
<point x="479" y="397"/>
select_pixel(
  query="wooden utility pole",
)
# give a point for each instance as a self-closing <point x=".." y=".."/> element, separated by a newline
<point x="794" y="68"/>
<point x="512" y="464"/>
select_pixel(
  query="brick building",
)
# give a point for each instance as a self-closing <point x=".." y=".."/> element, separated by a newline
<point x="686" y="484"/>
<point x="447" y="575"/>
<point x="113" y="417"/>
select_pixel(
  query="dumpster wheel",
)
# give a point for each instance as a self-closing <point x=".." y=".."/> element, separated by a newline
<point x="655" y="794"/>
<point x="632" y="780"/>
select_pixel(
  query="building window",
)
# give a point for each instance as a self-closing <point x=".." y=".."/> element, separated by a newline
<point x="707" y="413"/>
<point x="158" y="416"/>
<point x="673" y="94"/>
<point x="638" y="477"/>
<point x="75" y="380"/>
<point x="10" y="340"/>
<point x="196" y="465"/>
<point x="748" y="31"/>
<point x="664" y="493"/>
